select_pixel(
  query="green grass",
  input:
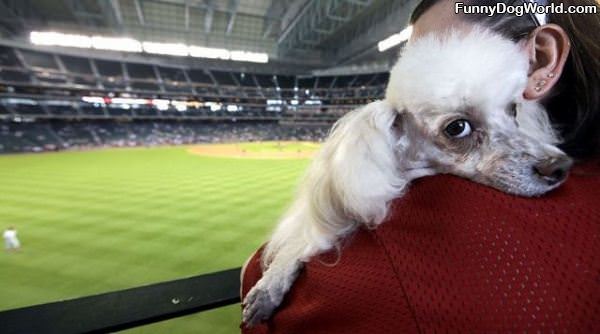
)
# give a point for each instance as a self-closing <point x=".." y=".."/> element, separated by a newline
<point x="98" y="221"/>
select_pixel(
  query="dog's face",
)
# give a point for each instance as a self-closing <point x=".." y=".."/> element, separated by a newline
<point x="460" y="100"/>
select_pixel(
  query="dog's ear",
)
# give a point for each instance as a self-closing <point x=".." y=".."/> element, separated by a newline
<point x="356" y="173"/>
<point x="350" y="182"/>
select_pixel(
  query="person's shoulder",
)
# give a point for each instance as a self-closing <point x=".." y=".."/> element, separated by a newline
<point x="451" y="198"/>
<point x="441" y="191"/>
<point x="358" y="278"/>
<point x="251" y="272"/>
<point x="358" y="250"/>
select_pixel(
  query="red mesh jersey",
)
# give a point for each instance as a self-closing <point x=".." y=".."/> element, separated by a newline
<point x="458" y="257"/>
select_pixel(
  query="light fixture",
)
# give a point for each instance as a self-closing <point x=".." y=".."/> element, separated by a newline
<point x="59" y="39"/>
<point x="124" y="44"/>
<point x="254" y="57"/>
<point x="211" y="53"/>
<point x="395" y="39"/>
<point x="116" y="44"/>
<point x="169" y="49"/>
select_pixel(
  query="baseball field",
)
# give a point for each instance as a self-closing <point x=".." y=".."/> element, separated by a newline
<point x="109" y="219"/>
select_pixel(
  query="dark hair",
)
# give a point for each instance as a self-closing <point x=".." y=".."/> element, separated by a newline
<point x="574" y="106"/>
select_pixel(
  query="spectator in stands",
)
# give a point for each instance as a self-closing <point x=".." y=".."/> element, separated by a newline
<point x="41" y="135"/>
<point x="455" y="256"/>
<point x="11" y="242"/>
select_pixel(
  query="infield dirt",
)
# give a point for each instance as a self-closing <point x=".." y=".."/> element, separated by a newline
<point x="240" y="151"/>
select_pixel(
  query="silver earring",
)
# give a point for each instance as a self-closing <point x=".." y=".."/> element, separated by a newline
<point x="539" y="85"/>
<point x="551" y="75"/>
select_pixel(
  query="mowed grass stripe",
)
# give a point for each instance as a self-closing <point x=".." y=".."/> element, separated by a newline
<point x="103" y="220"/>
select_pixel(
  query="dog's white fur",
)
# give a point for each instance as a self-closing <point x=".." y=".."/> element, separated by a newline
<point x="373" y="153"/>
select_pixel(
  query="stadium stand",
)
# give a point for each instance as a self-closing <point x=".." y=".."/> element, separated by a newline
<point x="95" y="74"/>
<point x="52" y="135"/>
<point x="52" y="101"/>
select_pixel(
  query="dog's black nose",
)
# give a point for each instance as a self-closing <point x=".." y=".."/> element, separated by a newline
<point x="553" y="170"/>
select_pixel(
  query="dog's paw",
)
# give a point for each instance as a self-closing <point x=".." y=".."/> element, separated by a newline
<point x="257" y="306"/>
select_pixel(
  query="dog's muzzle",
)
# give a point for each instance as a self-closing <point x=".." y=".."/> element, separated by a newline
<point x="553" y="170"/>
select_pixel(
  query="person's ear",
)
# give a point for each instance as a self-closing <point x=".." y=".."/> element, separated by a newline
<point x="548" y="48"/>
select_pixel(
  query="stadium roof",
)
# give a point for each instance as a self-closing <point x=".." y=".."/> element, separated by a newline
<point x="316" y="33"/>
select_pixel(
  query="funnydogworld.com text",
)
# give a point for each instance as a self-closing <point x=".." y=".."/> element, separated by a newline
<point x="522" y="9"/>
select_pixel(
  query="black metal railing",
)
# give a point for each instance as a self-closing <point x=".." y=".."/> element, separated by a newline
<point x="119" y="310"/>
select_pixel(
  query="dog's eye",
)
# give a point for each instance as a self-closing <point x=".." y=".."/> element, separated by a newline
<point x="458" y="129"/>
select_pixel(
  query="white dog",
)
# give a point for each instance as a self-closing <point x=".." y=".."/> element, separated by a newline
<point x="453" y="105"/>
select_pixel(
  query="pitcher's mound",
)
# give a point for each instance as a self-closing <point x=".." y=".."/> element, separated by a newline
<point x="258" y="150"/>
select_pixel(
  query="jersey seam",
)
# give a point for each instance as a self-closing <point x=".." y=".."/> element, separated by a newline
<point x="397" y="276"/>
